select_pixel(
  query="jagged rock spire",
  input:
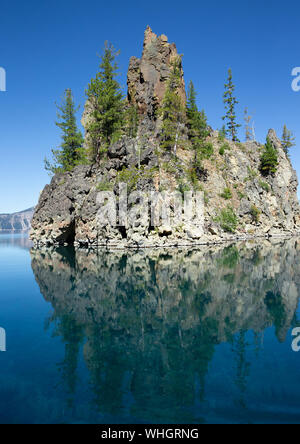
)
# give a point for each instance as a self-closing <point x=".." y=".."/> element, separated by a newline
<point x="147" y="77"/>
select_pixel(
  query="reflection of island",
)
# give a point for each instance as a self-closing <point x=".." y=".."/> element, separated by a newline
<point x="150" y="321"/>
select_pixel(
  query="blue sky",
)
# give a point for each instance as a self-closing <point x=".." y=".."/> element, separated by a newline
<point x="46" y="47"/>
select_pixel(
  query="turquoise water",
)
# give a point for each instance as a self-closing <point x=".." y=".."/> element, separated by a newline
<point x="170" y="336"/>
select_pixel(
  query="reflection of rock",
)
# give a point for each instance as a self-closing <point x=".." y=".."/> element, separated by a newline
<point x="153" y="318"/>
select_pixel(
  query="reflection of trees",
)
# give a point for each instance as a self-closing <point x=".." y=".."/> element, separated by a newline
<point x="242" y="369"/>
<point x="150" y="322"/>
<point x="276" y="309"/>
<point x="72" y="335"/>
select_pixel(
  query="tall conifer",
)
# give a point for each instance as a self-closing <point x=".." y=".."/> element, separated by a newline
<point x="106" y="103"/>
<point x="288" y="140"/>
<point x="71" y="151"/>
<point x="230" y="101"/>
<point x="172" y="110"/>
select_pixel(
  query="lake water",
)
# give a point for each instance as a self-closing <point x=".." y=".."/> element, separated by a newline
<point x="174" y="336"/>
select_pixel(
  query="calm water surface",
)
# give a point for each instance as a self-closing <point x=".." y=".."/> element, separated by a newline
<point x="199" y="336"/>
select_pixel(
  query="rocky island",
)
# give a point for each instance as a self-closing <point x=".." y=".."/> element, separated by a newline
<point x="163" y="148"/>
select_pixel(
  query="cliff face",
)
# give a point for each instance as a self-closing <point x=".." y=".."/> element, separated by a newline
<point x="20" y="221"/>
<point x="70" y="211"/>
<point x="147" y="77"/>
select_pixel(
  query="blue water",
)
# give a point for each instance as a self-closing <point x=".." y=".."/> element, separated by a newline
<point x="175" y="336"/>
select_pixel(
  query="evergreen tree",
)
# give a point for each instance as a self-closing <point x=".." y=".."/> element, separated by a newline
<point x="197" y="120"/>
<point x="230" y="101"/>
<point x="198" y="131"/>
<point x="131" y="121"/>
<point x="222" y="133"/>
<point x="269" y="159"/>
<point x="71" y="151"/>
<point x="107" y="105"/>
<point x="172" y="110"/>
<point x="288" y="140"/>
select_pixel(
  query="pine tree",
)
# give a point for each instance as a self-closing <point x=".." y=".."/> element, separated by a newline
<point x="230" y="101"/>
<point x="172" y="110"/>
<point x="269" y="159"/>
<point x="131" y="121"/>
<point x="107" y="105"/>
<point x="71" y="151"/>
<point x="198" y="131"/>
<point x="197" y="120"/>
<point x="222" y="133"/>
<point x="288" y="140"/>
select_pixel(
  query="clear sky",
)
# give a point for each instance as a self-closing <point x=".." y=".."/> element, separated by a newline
<point x="47" y="46"/>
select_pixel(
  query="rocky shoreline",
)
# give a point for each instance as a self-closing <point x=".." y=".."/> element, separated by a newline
<point x="205" y="241"/>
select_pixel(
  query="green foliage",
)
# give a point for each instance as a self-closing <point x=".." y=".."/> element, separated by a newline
<point x="241" y="195"/>
<point x="71" y="151"/>
<point x="183" y="186"/>
<point x="228" y="219"/>
<point x="252" y="174"/>
<point x="105" y="186"/>
<point x="227" y="194"/>
<point x="229" y="278"/>
<point x="206" y="197"/>
<point x="107" y="105"/>
<point x="130" y="176"/>
<point x="222" y="134"/>
<point x="276" y="308"/>
<point x="197" y="120"/>
<point x="264" y="185"/>
<point x="255" y="213"/>
<point x="230" y="257"/>
<point x="205" y="150"/>
<point x="131" y="121"/>
<point x="225" y="146"/>
<point x="170" y="167"/>
<point x="198" y="132"/>
<point x="269" y="159"/>
<point x="257" y="258"/>
<point x="172" y="111"/>
<point x="230" y="101"/>
<point x="288" y="140"/>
